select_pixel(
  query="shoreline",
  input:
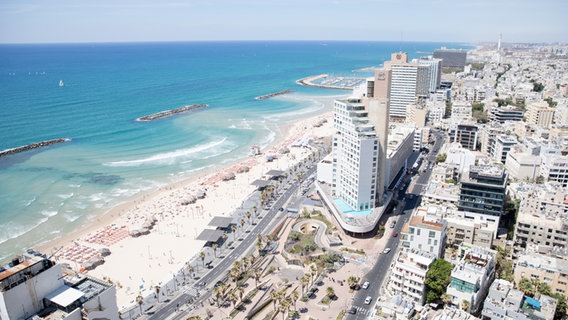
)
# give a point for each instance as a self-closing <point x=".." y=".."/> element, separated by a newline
<point x="173" y="218"/>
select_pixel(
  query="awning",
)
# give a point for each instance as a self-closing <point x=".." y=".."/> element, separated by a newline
<point x="64" y="296"/>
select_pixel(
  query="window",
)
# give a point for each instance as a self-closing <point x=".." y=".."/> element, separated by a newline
<point x="431" y="234"/>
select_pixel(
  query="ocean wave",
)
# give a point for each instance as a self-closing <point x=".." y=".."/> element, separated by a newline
<point x="11" y="231"/>
<point x="167" y="157"/>
<point x="65" y="196"/>
<point x="241" y="124"/>
<point x="49" y="213"/>
<point x="30" y="202"/>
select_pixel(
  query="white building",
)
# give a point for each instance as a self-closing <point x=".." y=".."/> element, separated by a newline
<point x="554" y="167"/>
<point x="423" y="233"/>
<point x="355" y="153"/>
<point x="409" y="80"/>
<point x="471" y="277"/>
<point x="399" y="148"/>
<point x="36" y="288"/>
<point x="435" y="71"/>
<point x="409" y="273"/>
<point x="503" y="144"/>
<point x="506" y="302"/>
<point x="522" y="165"/>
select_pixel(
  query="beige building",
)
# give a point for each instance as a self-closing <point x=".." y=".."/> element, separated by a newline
<point x="522" y="165"/>
<point x="550" y="270"/>
<point x="417" y="114"/>
<point x="540" y="114"/>
<point x="409" y="273"/>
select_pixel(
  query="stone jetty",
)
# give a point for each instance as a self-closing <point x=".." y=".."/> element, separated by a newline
<point x="32" y="146"/>
<point x="267" y="96"/>
<point x="171" y="112"/>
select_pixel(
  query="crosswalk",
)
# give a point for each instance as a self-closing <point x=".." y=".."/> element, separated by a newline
<point x="361" y="310"/>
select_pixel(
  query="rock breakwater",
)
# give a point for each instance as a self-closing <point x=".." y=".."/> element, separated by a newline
<point x="171" y="112"/>
<point x="32" y="146"/>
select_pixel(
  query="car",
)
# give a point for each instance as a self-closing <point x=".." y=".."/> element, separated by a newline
<point x="387" y="250"/>
<point x="353" y="310"/>
<point x="393" y="224"/>
<point x="365" y="285"/>
<point x="394" y="234"/>
<point x="368" y="300"/>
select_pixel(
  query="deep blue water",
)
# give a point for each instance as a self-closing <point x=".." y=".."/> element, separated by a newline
<point x="46" y="193"/>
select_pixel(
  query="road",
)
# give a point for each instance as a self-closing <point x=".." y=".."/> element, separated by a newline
<point x="272" y="217"/>
<point x="409" y="199"/>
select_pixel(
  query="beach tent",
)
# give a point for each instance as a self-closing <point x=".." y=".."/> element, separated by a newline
<point x="135" y="233"/>
<point x="104" y="252"/>
<point x="200" y="194"/>
<point x="228" y="176"/>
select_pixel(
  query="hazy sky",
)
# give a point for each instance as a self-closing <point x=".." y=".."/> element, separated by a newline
<point x="177" y="20"/>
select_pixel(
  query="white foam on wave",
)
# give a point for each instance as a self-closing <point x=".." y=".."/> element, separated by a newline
<point x="49" y="213"/>
<point x="167" y="157"/>
<point x="65" y="196"/>
<point x="29" y="202"/>
<point x="241" y="124"/>
<point x="11" y="230"/>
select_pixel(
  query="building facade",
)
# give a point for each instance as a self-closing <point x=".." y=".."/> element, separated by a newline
<point x="483" y="190"/>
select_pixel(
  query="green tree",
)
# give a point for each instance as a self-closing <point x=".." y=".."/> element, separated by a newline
<point x="504" y="265"/>
<point x="441" y="157"/>
<point x="526" y="286"/>
<point x="561" y="307"/>
<point x="330" y="292"/>
<point x="352" y="282"/>
<point x="437" y="279"/>
<point x="465" y="305"/>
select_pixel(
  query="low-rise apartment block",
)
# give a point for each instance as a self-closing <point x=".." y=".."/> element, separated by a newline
<point x="408" y="274"/>
<point x="552" y="270"/>
<point x="471" y="278"/>
<point x="505" y="302"/>
<point x="423" y="233"/>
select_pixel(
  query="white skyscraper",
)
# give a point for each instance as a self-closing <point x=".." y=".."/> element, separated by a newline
<point x="355" y="155"/>
<point x="408" y="80"/>
<point x="434" y="71"/>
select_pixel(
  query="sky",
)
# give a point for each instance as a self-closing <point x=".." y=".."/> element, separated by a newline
<point x="72" y="21"/>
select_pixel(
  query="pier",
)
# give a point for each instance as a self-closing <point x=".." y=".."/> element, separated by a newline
<point x="340" y="83"/>
<point x="171" y="112"/>
<point x="273" y="95"/>
<point x="32" y="146"/>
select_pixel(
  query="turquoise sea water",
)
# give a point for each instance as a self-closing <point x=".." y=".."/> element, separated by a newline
<point x="48" y="192"/>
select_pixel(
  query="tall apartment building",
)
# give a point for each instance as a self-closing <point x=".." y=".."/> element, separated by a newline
<point x="483" y="190"/>
<point x="435" y="71"/>
<point x="505" y="302"/>
<point x="544" y="268"/>
<point x="408" y="81"/>
<point x="416" y="114"/>
<point x="471" y="277"/>
<point x="506" y="113"/>
<point x="35" y="288"/>
<point x="502" y="146"/>
<point x="408" y="274"/>
<point x="356" y="155"/>
<point x="464" y="134"/>
<point x="451" y="57"/>
<point x="487" y="134"/>
<point x="540" y="114"/>
<point x="554" y="167"/>
<point x="424" y="234"/>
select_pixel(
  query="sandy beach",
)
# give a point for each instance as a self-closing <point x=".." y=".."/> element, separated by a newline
<point x="137" y="264"/>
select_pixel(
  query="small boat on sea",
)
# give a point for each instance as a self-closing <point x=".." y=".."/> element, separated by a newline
<point x="61" y="83"/>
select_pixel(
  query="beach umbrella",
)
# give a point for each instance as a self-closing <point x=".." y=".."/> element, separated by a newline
<point x="144" y="231"/>
<point x="135" y="233"/>
<point x="200" y="194"/>
<point x="284" y="150"/>
<point x="243" y="169"/>
<point x="88" y="265"/>
<point x="228" y="176"/>
<point x="104" y="251"/>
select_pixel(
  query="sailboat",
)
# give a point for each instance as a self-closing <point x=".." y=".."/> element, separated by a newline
<point x="61" y="83"/>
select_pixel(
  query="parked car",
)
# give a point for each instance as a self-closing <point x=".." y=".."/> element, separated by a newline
<point x="387" y="250"/>
<point x="394" y="234"/>
<point x="365" y="285"/>
<point x="353" y="310"/>
<point x="368" y="300"/>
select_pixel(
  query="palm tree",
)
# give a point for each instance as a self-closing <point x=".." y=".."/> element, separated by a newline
<point x="295" y="295"/>
<point x="140" y="300"/>
<point x="240" y="292"/>
<point x="225" y="237"/>
<point x="330" y="292"/>
<point x="237" y="265"/>
<point x="215" y="246"/>
<point x="245" y="264"/>
<point x="233" y="298"/>
<point x="157" y="288"/>
<point x="254" y="209"/>
<point x="242" y="223"/>
<point x="313" y="272"/>
<point x="284" y="306"/>
<point x="217" y="292"/>
<point x="256" y="273"/>
<point x="352" y="281"/>
<point x="446" y="298"/>
<point x="259" y="246"/>
<point x="304" y="281"/>
<point x="189" y="267"/>
<point x="465" y="305"/>
<point x="248" y="215"/>
<point x="275" y="295"/>
<point x="235" y="274"/>
<point x="202" y="256"/>
<point x="233" y="229"/>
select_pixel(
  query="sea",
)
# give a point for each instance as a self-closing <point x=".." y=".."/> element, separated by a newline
<point x="92" y="94"/>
